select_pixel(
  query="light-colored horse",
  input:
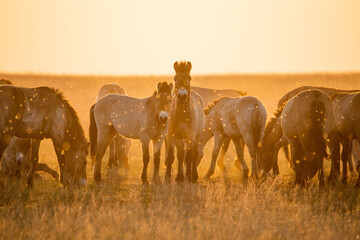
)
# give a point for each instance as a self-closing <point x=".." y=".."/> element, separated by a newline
<point x="119" y="147"/>
<point x="144" y="119"/>
<point x="347" y="121"/>
<point x="307" y="121"/>
<point x="16" y="158"/>
<point x="239" y="119"/>
<point x="186" y="122"/>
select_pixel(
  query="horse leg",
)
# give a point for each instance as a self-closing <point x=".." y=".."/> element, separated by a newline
<point x="112" y="153"/>
<point x="146" y="158"/>
<point x="223" y="151"/>
<point x="34" y="158"/>
<point x="194" y="155"/>
<point x="351" y="163"/>
<point x="334" y="146"/>
<point x="180" y="156"/>
<point x="296" y="157"/>
<point x="321" y="175"/>
<point x="124" y="157"/>
<point x="218" y="140"/>
<point x="188" y="162"/>
<point x="345" y="158"/>
<point x="45" y="168"/>
<point x="104" y="139"/>
<point x="169" y="158"/>
<point x="157" y="143"/>
<point x="240" y="155"/>
<point x="282" y="143"/>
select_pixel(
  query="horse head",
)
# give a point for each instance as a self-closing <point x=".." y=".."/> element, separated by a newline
<point x="163" y="100"/>
<point x="75" y="164"/>
<point x="182" y="80"/>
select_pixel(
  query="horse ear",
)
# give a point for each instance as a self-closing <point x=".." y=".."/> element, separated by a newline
<point x="158" y="86"/>
<point x="171" y="86"/>
<point x="176" y="66"/>
<point x="188" y="66"/>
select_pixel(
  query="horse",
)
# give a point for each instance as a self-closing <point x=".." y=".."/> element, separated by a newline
<point x="144" y="119"/>
<point x="238" y="119"/>
<point x="209" y="95"/>
<point x="40" y="113"/>
<point x="186" y="122"/>
<point x="17" y="157"/>
<point x="307" y="121"/>
<point x="273" y="140"/>
<point x="346" y="109"/>
<point x="331" y="92"/>
<point x="119" y="147"/>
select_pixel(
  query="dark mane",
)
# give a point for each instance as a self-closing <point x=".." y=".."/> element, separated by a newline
<point x="73" y="113"/>
<point x="210" y="107"/>
<point x="271" y="122"/>
<point x="5" y="82"/>
<point x="182" y="67"/>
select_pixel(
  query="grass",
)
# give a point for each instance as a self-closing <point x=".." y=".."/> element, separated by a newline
<point x="217" y="209"/>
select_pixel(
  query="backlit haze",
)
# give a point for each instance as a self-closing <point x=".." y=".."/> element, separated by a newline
<point x="146" y="37"/>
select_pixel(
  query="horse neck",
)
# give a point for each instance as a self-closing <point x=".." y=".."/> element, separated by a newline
<point x="183" y="109"/>
<point x="150" y="107"/>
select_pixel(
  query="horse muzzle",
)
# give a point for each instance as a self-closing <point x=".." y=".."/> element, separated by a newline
<point x="163" y="116"/>
<point x="182" y="95"/>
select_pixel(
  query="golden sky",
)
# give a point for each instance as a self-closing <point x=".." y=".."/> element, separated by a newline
<point x="146" y="37"/>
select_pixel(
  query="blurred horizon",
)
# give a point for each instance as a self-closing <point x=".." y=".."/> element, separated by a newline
<point x="144" y="38"/>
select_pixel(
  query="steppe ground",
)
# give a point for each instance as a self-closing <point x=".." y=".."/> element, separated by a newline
<point x="217" y="209"/>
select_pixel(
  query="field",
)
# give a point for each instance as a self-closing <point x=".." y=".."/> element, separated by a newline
<point x="217" y="209"/>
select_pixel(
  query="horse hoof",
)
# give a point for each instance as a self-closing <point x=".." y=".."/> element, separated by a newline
<point x="157" y="180"/>
<point x="167" y="179"/>
<point x="145" y="183"/>
<point x="344" y="180"/>
<point x="179" y="178"/>
<point x="97" y="177"/>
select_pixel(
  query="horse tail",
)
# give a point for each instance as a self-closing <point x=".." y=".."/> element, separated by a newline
<point x="92" y="132"/>
<point x="317" y="113"/>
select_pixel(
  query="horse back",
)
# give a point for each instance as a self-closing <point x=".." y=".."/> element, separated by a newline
<point x="110" y="88"/>
<point x="305" y="110"/>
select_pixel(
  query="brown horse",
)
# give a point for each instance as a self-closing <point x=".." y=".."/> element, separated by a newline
<point x="331" y="92"/>
<point x="16" y="158"/>
<point x="238" y="119"/>
<point x="144" y="119"/>
<point x="347" y="117"/>
<point x="40" y="113"/>
<point x="307" y="121"/>
<point x="186" y="122"/>
<point x="119" y="147"/>
<point x="273" y="131"/>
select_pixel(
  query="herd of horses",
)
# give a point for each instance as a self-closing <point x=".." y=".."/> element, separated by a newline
<point x="314" y="121"/>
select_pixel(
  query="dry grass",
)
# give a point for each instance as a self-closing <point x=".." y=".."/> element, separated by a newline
<point x="219" y="209"/>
